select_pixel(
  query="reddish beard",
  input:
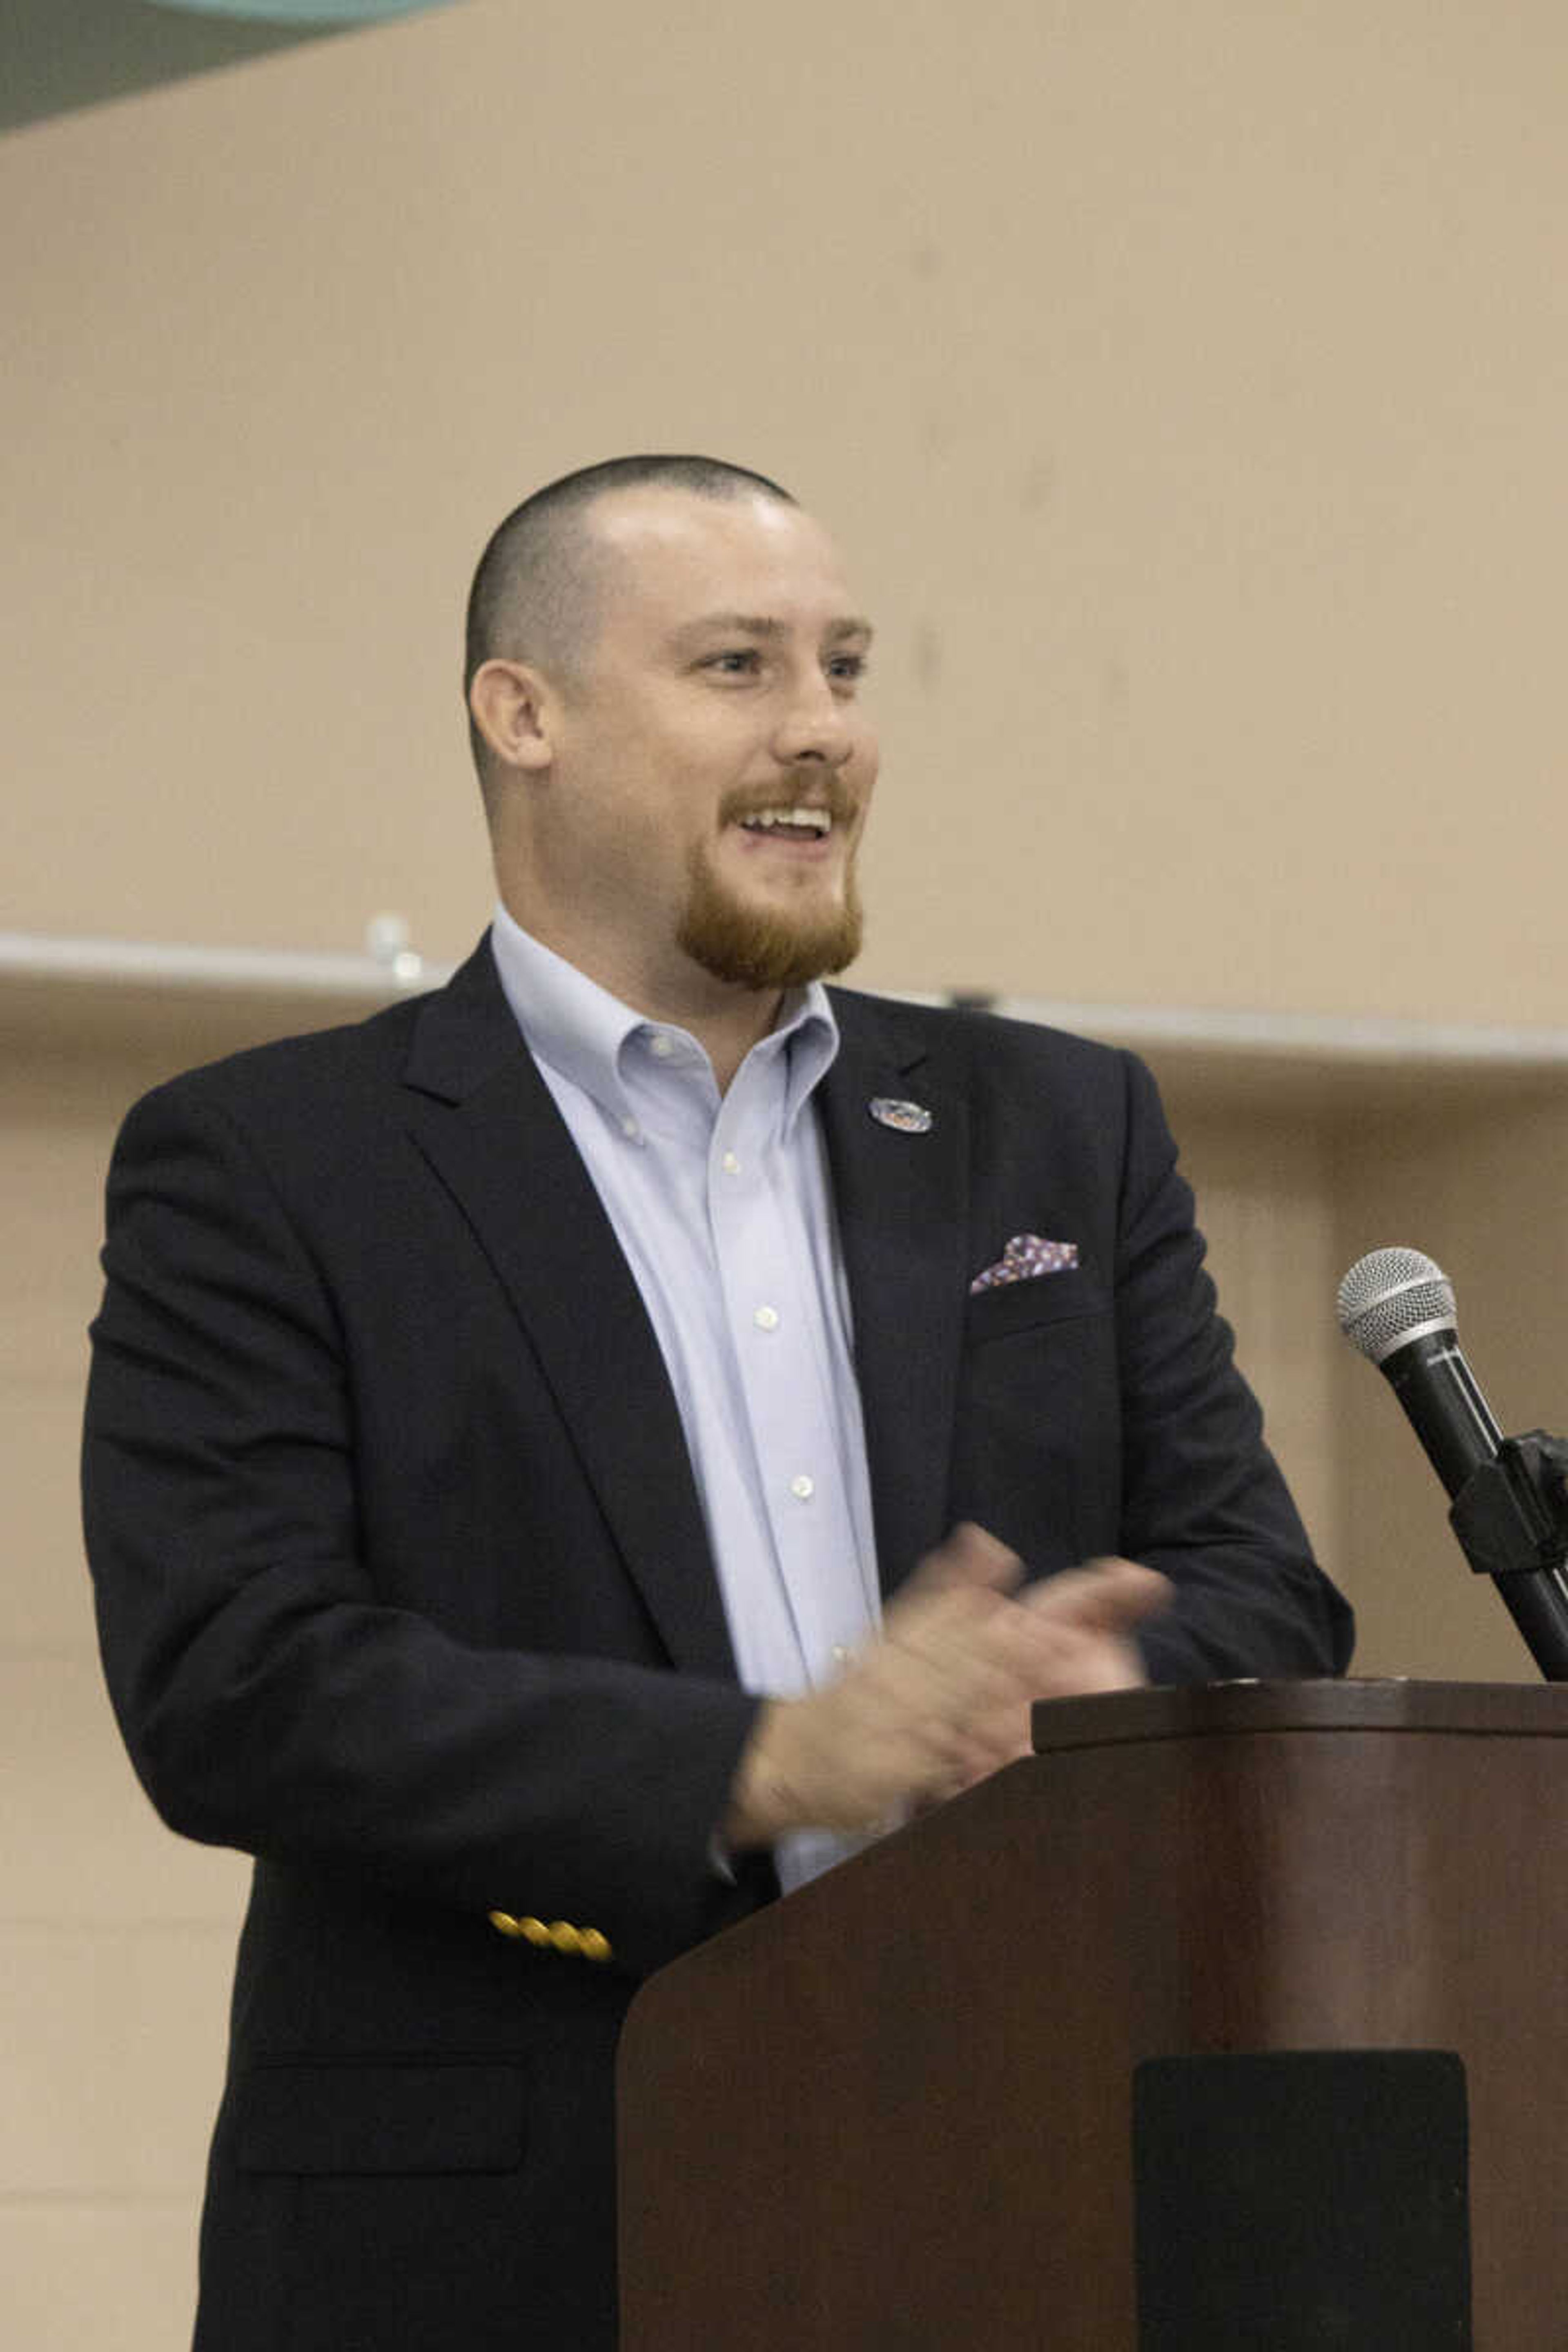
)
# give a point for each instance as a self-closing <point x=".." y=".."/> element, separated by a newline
<point x="763" y="947"/>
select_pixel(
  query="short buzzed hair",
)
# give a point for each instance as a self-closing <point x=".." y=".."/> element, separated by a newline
<point x="534" y="593"/>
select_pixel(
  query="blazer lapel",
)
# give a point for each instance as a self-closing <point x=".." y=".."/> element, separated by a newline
<point x="902" y="1203"/>
<point x="486" y="1121"/>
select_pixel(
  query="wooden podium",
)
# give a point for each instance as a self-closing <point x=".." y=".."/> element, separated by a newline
<point x="908" y="2109"/>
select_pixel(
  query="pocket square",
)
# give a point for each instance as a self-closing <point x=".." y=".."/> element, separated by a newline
<point x="1025" y="1259"/>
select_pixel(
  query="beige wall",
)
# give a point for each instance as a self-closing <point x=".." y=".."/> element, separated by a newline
<point x="115" y="1938"/>
<point x="1187" y="381"/>
<point x="1189" y="385"/>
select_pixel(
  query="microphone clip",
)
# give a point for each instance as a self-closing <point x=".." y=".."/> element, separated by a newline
<point x="1511" y="1515"/>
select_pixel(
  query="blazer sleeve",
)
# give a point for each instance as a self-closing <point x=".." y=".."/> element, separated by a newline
<point x="271" y="1699"/>
<point x="1202" y="1498"/>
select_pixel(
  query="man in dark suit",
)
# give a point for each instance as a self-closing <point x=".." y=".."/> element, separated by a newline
<point x="579" y="1447"/>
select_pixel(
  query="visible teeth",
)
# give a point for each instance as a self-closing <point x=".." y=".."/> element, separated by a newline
<point x="814" y="820"/>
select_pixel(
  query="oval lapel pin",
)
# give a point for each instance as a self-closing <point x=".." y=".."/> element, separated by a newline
<point x="906" y="1117"/>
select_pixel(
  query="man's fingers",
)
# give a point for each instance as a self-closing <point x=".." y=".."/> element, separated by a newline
<point x="958" y="1630"/>
<point x="969" y="1556"/>
<point x="1105" y="1596"/>
<point x="940" y="1663"/>
<point x="942" y="1696"/>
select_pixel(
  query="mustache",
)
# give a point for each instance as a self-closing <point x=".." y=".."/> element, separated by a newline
<point x="808" y="787"/>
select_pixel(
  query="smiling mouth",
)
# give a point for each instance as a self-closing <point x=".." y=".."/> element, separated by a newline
<point x="790" y="823"/>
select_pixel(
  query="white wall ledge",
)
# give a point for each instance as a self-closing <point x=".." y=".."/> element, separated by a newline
<point x="1317" y="1036"/>
<point x="49" y="969"/>
<point x="44" y="956"/>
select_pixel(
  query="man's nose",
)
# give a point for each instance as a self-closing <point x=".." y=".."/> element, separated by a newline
<point x="815" y="725"/>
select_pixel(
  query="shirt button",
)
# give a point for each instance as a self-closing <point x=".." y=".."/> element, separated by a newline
<point x="802" y="1487"/>
<point x="631" y="1130"/>
<point x="766" y="1318"/>
<point x="662" y="1045"/>
<point x="729" y="1164"/>
<point x="841" y="1653"/>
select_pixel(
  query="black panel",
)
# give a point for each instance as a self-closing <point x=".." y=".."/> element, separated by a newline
<point x="1302" y="2201"/>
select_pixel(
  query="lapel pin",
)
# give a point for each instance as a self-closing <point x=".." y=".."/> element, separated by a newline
<point x="905" y="1117"/>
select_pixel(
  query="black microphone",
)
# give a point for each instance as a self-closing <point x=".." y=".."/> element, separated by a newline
<point x="1507" y="1495"/>
<point x="1398" y="1308"/>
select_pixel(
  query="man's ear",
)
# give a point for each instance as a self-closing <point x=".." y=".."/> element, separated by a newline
<point x="510" y="707"/>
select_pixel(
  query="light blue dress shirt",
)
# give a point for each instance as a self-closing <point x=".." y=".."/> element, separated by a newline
<point x="723" y="1208"/>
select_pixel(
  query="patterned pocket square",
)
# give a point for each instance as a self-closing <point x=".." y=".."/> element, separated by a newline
<point x="1025" y="1259"/>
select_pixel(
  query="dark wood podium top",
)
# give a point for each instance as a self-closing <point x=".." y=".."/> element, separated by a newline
<point x="1538" y="1710"/>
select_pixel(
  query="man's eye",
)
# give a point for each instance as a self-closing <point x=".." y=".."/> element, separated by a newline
<point x="739" y="662"/>
<point x="848" y="669"/>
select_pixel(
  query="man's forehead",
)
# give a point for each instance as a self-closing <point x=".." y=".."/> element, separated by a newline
<point x="837" y="627"/>
<point x="711" y="553"/>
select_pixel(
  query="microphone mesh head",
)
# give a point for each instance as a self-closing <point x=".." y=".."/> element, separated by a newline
<point x="1391" y="1296"/>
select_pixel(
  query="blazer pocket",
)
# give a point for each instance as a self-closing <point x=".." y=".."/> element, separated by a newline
<point x="1021" y="1306"/>
<point x="377" y="2117"/>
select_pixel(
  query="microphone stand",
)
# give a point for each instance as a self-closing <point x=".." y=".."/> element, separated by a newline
<point x="1511" y="1515"/>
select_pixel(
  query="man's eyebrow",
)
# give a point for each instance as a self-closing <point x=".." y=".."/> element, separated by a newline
<point x="762" y="624"/>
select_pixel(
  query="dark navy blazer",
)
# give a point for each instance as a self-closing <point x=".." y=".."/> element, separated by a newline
<point x="403" y="1586"/>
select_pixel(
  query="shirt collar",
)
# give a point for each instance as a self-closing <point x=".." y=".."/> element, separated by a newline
<point x="583" y="1033"/>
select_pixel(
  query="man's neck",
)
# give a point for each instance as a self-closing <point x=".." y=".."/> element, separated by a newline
<point x="727" y="1039"/>
<point x="727" y="1021"/>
